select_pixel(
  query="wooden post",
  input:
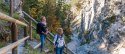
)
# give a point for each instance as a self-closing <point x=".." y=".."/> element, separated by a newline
<point x="14" y="36"/>
<point x="11" y="7"/>
<point x="25" y="34"/>
<point x="30" y="29"/>
<point x="13" y="28"/>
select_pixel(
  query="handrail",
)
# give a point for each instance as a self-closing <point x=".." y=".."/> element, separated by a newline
<point x="8" y="18"/>
<point x="13" y="45"/>
<point x="29" y="17"/>
<point x="25" y="20"/>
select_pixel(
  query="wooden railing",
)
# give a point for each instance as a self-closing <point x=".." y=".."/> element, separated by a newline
<point x="30" y="17"/>
<point x="13" y="45"/>
<point x="14" y="31"/>
<point x="10" y="19"/>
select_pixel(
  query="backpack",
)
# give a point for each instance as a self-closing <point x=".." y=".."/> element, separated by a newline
<point x="56" y="43"/>
<point x="37" y="28"/>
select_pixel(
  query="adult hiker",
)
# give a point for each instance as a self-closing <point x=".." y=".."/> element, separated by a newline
<point x="59" y="41"/>
<point x="42" y="31"/>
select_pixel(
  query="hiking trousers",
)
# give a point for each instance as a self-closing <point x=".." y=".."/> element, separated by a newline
<point x="42" y="39"/>
<point x="59" y="50"/>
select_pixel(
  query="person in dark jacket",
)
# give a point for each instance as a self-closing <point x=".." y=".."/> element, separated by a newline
<point x="42" y="31"/>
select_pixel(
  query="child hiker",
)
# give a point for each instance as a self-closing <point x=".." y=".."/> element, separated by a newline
<point x="59" y="41"/>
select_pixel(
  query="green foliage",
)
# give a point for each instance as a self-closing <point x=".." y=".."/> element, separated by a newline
<point x="27" y="5"/>
<point x="111" y="19"/>
<point x="85" y="34"/>
<point x="55" y="12"/>
<point x="0" y="4"/>
<point x="35" y="35"/>
<point x="48" y="45"/>
<point x="16" y="15"/>
<point x="2" y="44"/>
<point x="30" y="50"/>
<point x="1" y="1"/>
<point x="62" y="10"/>
<point x="88" y="40"/>
<point x="67" y="39"/>
<point x="4" y="7"/>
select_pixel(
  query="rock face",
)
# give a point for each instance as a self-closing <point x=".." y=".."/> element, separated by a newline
<point x="101" y="23"/>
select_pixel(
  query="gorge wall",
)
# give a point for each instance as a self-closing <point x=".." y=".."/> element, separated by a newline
<point x="99" y="27"/>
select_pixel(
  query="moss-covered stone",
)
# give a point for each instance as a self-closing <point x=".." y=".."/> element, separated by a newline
<point x="111" y="19"/>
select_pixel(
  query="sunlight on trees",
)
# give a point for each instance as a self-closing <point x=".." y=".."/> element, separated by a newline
<point x="56" y="12"/>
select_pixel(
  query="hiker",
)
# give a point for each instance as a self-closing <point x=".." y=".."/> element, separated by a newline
<point x="59" y="41"/>
<point x="42" y="31"/>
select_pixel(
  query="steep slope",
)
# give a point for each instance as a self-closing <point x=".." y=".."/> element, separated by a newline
<point x="101" y="26"/>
